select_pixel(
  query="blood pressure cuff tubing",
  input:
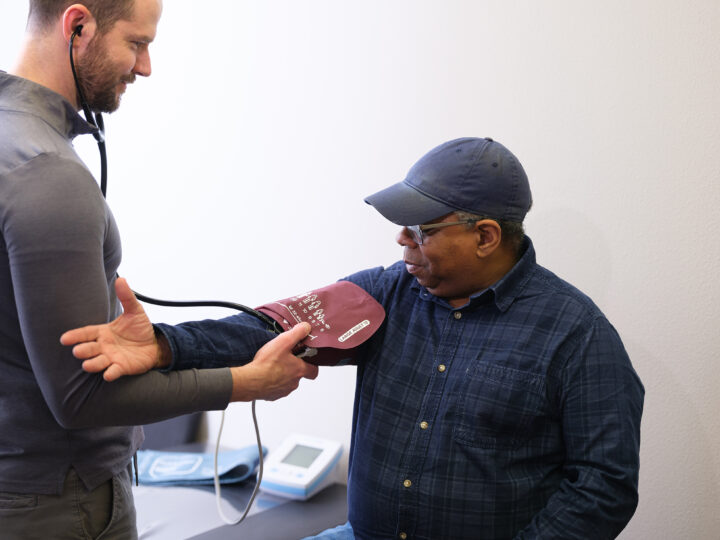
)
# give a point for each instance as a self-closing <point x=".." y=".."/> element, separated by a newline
<point x="342" y="315"/>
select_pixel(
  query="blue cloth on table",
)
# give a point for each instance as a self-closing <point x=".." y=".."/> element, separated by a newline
<point x="164" y="468"/>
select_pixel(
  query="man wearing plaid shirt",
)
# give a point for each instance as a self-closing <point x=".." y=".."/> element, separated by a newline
<point x="496" y="401"/>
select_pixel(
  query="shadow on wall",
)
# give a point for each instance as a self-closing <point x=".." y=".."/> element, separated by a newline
<point x="679" y="471"/>
<point x="573" y="247"/>
<point x="679" y="478"/>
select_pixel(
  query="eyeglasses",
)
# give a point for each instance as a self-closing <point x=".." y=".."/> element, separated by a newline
<point x="419" y="230"/>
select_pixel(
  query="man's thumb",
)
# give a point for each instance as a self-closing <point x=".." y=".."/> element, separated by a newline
<point x="127" y="297"/>
<point x="295" y="335"/>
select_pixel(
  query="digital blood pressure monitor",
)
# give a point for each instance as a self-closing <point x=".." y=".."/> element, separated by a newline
<point x="300" y="467"/>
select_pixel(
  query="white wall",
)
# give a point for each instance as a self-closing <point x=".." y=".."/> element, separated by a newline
<point x="238" y="171"/>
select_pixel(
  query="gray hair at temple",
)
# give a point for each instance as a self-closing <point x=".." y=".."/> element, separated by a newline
<point x="513" y="232"/>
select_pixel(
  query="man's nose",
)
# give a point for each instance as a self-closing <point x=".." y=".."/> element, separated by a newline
<point x="143" y="66"/>
<point x="405" y="238"/>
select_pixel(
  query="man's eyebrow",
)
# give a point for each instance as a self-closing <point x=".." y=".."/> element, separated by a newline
<point x="143" y="38"/>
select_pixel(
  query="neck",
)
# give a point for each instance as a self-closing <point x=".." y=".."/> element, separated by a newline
<point x="499" y="264"/>
<point x="44" y="60"/>
<point x="489" y="270"/>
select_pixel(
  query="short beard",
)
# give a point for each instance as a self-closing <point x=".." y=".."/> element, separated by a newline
<point x="97" y="78"/>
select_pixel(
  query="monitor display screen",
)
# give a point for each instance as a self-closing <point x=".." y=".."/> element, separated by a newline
<point x="302" y="456"/>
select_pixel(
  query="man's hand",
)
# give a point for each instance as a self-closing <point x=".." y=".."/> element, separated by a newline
<point x="275" y="371"/>
<point x="128" y="346"/>
<point x="125" y="346"/>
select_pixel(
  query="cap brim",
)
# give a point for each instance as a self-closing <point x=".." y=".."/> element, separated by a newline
<point x="404" y="205"/>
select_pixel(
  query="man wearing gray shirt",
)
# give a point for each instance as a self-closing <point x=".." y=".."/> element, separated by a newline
<point x="66" y="436"/>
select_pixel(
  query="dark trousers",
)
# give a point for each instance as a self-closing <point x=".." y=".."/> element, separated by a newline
<point x="106" y="513"/>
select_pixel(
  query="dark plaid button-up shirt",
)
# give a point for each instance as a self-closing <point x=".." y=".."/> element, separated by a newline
<point x="514" y="416"/>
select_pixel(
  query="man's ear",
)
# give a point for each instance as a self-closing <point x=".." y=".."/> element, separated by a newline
<point x="489" y="237"/>
<point x="77" y="15"/>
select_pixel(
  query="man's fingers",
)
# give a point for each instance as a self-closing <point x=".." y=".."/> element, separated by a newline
<point x="311" y="371"/>
<point x="86" y="350"/>
<point x="80" y="335"/>
<point x="287" y="341"/>
<point x="95" y="365"/>
<point x="127" y="298"/>
<point x="113" y="373"/>
<point x="100" y="363"/>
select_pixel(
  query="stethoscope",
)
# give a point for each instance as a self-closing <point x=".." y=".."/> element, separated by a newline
<point x="96" y="120"/>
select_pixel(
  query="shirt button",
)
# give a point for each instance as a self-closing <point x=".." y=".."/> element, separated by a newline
<point x="403" y="536"/>
<point x="407" y="483"/>
<point x="441" y="368"/>
<point x="457" y="315"/>
<point x="423" y="425"/>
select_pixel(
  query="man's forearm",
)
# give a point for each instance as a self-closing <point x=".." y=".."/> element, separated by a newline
<point x="228" y="342"/>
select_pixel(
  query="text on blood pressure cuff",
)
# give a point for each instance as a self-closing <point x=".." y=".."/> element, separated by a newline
<point x="342" y="315"/>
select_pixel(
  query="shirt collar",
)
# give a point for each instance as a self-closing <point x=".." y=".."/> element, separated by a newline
<point x="504" y="291"/>
<point x="23" y="95"/>
<point x="512" y="284"/>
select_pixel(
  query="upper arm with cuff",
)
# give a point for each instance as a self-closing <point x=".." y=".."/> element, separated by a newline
<point x="234" y="340"/>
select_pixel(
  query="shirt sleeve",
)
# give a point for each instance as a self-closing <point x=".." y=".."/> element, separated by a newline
<point x="231" y="341"/>
<point x="56" y="226"/>
<point x="601" y="406"/>
<point x="374" y="281"/>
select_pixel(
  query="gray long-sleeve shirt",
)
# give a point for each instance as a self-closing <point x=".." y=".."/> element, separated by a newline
<point x="59" y="252"/>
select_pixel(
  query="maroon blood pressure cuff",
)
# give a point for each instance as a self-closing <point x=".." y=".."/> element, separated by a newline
<point x="342" y="316"/>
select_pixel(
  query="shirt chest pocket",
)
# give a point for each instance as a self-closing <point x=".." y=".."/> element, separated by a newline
<point x="498" y="407"/>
